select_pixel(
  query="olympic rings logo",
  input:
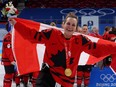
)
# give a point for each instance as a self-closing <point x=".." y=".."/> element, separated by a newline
<point x="108" y="77"/>
<point x="89" y="11"/>
<point x="67" y="10"/>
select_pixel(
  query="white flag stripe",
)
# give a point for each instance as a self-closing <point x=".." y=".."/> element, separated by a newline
<point x="45" y="26"/>
<point x="83" y="58"/>
<point x="93" y="39"/>
<point x="57" y="85"/>
<point x="112" y="70"/>
<point x="40" y="52"/>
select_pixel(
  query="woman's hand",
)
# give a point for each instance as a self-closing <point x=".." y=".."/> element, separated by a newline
<point x="13" y="63"/>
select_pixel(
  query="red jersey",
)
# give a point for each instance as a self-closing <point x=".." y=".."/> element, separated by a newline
<point x="58" y="47"/>
<point x="55" y="54"/>
<point x="7" y="54"/>
<point x="105" y="36"/>
<point x="112" y="37"/>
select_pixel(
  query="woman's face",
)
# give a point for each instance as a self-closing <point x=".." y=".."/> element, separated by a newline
<point x="85" y="30"/>
<point x="69" y="27"/>
<point x="95" y="30"/>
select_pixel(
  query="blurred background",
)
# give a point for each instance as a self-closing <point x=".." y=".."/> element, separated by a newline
<point x="102" y="12"/>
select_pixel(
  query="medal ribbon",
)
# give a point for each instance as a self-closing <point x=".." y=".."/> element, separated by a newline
<point x="68" y="52"/>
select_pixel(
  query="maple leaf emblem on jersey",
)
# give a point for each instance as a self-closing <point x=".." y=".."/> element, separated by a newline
<point x="59" y="59"/>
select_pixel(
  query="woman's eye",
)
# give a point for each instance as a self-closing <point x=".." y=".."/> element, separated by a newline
<point x="68" y="23"/>
<point x="73" y="25"/>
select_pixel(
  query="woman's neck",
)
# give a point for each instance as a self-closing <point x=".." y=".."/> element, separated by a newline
<point x="67" y="36"/>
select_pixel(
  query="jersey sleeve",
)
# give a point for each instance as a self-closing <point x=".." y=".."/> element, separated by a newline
<point x="101" y="48"/>
<point x="31" y="30"/>
<point x="7" y="54"/>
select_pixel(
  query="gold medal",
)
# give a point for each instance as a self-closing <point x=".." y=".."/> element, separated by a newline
<point x="68" y="72"/>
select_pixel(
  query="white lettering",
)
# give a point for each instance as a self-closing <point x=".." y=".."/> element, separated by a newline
<point x="113" y="84"/>
<point x="102" y="84"/>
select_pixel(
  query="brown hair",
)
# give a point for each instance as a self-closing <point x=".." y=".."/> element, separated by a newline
<point x="71" y="15"/>
<point x="113" y="29"/>
<point x="53" y="24"/>
<point x="107" y="28"/>
<point x="85" y="25"/>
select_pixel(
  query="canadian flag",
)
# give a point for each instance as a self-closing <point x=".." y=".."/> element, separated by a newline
<point x="29" y="55"/>
<point x="87" y="59"/>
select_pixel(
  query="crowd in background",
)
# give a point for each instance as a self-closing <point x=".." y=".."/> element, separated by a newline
<point x="70" y="3"/>
<point x="84" y="72"/>
<point x="64" y="3"/>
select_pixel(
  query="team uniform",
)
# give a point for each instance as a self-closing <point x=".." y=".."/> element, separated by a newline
<point x="61" y="55"/>
<point x="7" y="58"/>
<point x="31" y="78"/>
<point x="108" y="59"/>
<point x="83" y="74"/>
<point x="84" y="71"/>
<point x="108" y="36"/>
<point x="56" y="64"/>
<point x="105" y="35"/>
<point x="111" y="37"/>
<point x="34" y="78"/>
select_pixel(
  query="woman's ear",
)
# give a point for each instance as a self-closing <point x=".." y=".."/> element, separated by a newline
<point x="62" y="24"/>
